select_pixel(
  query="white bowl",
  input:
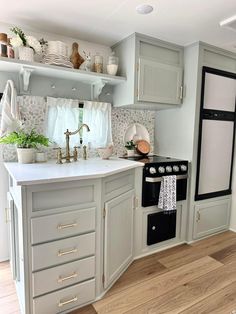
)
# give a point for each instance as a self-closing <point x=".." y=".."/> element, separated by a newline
<point x="105" y="152"/>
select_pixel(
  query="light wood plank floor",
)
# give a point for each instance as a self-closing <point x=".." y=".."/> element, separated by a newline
<point x="189" y="279"/>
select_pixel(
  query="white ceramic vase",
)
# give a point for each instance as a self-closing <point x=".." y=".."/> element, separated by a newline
<point x="26" y="53"/>
<point x="26" y="155"/>
<point x="130" y="152"/>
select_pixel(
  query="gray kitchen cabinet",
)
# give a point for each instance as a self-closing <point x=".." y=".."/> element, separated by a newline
<point x="154" y="71"/>
<point x="118" y="236"/>
<point x="211" y="217"/>
<point x="59" y="235"/>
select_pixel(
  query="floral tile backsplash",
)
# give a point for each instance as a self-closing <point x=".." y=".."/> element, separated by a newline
<point x="33" y="112"/>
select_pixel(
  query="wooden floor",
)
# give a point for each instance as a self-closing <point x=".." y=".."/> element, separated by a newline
<point x="189" y="279"/>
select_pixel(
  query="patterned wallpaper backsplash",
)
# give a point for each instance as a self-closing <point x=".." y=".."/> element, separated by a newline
<point x="33" y="112"/>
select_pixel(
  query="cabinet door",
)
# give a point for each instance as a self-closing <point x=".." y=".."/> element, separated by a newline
<point x="12" y="234"/>
<point x="118" y="240"/>
<point x="159" y="82"/>
<point x="211" y="217"/>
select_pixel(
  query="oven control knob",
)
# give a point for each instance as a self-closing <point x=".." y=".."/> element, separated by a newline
<point x="161" y="170"/>
<point x="168" y="169"/>
<point x="176" y="168"/>
<point x="183" y="167"/>
<point x="152" y="170"/>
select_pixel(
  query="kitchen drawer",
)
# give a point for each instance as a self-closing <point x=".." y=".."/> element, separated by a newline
<point x="118" y="184"/>
<point x="62" y="251"/>
<point x="55" y="278"/>
<point x="65" y="299"/>
<point x="56" y="226"/>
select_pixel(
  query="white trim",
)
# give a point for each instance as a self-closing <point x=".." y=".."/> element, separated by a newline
<point x="159" y="250"/>
<point x="232" y="229"/>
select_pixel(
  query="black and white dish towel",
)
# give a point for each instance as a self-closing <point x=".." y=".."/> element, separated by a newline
<point x="167" y="195"/>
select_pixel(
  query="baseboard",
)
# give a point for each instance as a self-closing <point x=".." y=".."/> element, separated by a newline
<point x="231" y="229"/>
<point x="159" y="250"/>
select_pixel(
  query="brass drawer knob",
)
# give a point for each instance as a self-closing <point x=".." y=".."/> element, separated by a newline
<point x="60" y="227"/>
<point x="62" y="303"/>
<point x="61" y="279"/>
<point x="61" y="253"/>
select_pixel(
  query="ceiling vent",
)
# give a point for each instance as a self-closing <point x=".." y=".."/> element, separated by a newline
<point x="229" y="23"/>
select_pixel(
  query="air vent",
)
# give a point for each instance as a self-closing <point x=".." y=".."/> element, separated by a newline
<point x="229" y="23"/>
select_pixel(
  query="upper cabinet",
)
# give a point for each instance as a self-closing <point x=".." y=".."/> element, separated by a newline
<point x="154" y="71"/>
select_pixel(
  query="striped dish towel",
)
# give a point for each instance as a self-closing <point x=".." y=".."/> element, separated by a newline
<point x="167" y="196"/>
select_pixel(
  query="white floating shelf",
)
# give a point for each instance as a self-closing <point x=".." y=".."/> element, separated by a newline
<point x="25" y="69"/>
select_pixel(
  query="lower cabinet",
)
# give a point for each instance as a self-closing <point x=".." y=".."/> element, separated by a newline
<point x="211" y="217"/>
<point x="118" y="236"/>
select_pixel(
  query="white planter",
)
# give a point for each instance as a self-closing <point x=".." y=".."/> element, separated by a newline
<point x="130" y="152"/>
<point x="26" y="53"/>
<point x="26" y="155"/>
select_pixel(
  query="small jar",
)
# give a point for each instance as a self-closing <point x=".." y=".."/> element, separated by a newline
<point x="10" y="50"/>
<point x="98" y="63"/>
<point x="3" y="45"/>
<point x="112" y="65"/>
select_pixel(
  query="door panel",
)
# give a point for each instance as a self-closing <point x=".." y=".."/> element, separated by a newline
<point x="158" y="82"/>
<point x="118" y="244"/>
<point x="220" y="92"/>
<point x="216" y="153"/>
<point x="211" y="217"/>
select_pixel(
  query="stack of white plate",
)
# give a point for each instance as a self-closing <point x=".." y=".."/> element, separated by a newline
<point x="57" y="54"/>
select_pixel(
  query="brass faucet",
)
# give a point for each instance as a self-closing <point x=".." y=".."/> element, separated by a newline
<point x="68" y="156"/>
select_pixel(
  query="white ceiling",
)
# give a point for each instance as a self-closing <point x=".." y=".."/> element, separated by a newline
<point x="108" y="21"/>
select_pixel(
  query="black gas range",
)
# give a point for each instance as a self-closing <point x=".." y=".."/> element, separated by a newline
<point x="155" y="167"/>
<point x="160" y="226"/>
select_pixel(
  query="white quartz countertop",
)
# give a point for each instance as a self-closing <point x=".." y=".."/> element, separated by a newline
<point x="38" y="173"/>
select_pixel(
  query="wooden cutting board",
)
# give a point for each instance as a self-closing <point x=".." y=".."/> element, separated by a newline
<point x="143" y="147"/>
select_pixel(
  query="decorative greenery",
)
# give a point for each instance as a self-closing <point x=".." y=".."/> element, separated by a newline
<point x="27" y="41"/>
<point x="25" y="140"/>
<point x="18" y="32"/>
<point x="130" y="145"/>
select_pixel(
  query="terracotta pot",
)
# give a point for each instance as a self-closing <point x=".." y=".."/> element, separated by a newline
<point x="26" y="53"/>
<point x="26" y="155"/>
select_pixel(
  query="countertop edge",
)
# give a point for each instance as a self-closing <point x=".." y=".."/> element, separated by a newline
<point x="135" y="164"/>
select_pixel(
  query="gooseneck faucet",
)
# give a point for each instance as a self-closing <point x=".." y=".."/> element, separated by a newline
<point x="68" y="156"/>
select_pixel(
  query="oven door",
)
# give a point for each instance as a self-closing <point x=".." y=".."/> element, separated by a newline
<point x="151" y="189"/>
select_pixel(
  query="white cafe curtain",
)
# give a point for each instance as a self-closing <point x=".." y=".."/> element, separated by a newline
<point x="97" y="115"/>
<point x="62" y="114"/>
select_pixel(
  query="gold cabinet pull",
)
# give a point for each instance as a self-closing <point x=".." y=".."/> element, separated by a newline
<point x="74" y="224"/>
<point x="74" y="299"/>
<point x="61" y="279"/>
<point x="61" y="253"/>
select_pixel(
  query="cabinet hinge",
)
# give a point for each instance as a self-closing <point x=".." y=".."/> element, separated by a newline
<point x="103" y="279"/>
<point x="137" y="93"/>
<point x="181" y="92"/>
<point x="104" y="211"/>
<point x="135" y="202"/>
<point x="198" y="216"/>
<point x="7" y="215"/>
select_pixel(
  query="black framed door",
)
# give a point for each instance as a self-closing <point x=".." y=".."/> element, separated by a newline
<point x="216" y="134"/>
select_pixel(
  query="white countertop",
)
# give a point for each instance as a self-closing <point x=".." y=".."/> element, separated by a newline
<point x="38" y="173"/>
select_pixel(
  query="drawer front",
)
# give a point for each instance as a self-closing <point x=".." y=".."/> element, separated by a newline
<point x="62" y="251"/>
<point x="65" y="299"/>
<point x="52" y="227"/>
<point x="61" y="276"/>
<point x="118" y="184"/>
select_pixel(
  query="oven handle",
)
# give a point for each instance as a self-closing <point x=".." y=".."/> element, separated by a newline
<point x="159" y="179"/>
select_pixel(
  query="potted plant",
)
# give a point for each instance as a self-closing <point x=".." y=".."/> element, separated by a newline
<point x="27" y="45"/>
<point x="130" y="146"/>
<point x="26" y="143"/>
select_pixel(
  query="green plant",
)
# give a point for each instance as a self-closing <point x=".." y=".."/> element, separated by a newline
<point x="130" y="145"/>
<point x="20" y="33"/>
<point x="25" y="140"/>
